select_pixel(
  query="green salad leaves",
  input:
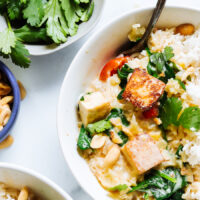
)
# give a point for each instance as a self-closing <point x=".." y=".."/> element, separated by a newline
<point x="39" y="22"/>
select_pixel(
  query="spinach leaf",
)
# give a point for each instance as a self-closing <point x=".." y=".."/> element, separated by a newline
<point x="118" y="188"/>
<point x="169" y="111"/>
<point x="123" y="74"/>
<point x="160" y="65"/>
<point x="180" y="148"/>
<point x="116" y="112"/>
<point x="162" y="187"/>
<point x="119" y="96"/>
<point x="99" y="127"/>
<point x="123" y="137"/>
<point x="84" y="139"/>
<point x="190" y="118"/>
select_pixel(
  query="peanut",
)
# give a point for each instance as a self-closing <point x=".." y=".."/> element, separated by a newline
<point x="185" y="29"/>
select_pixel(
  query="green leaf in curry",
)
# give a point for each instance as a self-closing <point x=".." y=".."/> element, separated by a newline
<point x="116" y="112"/>
<point x="123" y="137"/>
<point x="34" y="12"/>
<point x="169" y="112"/>
<point x="99" y="127"/>
<point x="190" y="118"/>
<point x="84" y="139"/>
<point x="118" y="188"/>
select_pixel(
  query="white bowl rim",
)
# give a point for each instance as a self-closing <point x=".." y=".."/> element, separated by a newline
<point x="96" y="34"/>
<point x="66" y="44"/>
<point x="42" y="178"/>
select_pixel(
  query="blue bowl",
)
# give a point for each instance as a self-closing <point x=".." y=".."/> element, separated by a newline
<point x="16" y="102"/>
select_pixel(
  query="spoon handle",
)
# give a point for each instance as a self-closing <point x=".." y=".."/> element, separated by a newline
<point x="156" y="14"/>
<point x="154" y="18"/>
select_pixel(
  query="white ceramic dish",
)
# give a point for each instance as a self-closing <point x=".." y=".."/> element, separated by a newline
<point x="84" y="28"/>
<point x="86" y="66"/>
<point x="19" y="177"/>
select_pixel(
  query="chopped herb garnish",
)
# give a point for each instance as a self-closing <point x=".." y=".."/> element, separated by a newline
<point x="118" y="188"/>
<point x="119" y="96"/>
<point x="84" y="139"/>
<point x="123" y="137"/>
<point x="180" y="148"/>
<point x="181" y="84"/>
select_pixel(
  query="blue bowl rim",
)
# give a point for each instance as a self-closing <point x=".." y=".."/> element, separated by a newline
<point x="16" y="102"/>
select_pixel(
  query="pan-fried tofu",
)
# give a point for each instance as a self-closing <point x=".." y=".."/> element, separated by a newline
<point x="143" y="90"/>
<point x="93" y="107"/>
<point x="142" y="153"/>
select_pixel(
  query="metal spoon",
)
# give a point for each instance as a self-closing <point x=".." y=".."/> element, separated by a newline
<point x="140" y="45"/>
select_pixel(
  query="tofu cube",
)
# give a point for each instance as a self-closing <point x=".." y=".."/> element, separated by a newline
<point x="94" y="107"/>
<point x="143" y="90"/>
<point x="142" y="153"/>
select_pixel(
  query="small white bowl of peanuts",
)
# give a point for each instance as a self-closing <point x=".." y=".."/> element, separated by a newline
<point x="18" y="183"/>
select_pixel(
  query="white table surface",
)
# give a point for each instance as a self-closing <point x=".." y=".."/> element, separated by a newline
<point x="36" y="143"/>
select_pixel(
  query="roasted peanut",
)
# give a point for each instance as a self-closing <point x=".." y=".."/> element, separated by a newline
<point x="185" y="29"/>
<point x="7" y="142"/>
<point x="23" y="195"/>
<point x="98" y="141"/>
<point x="22" y="90"/>
<point x="4" y="89"/>
<point x="112" y="156"/>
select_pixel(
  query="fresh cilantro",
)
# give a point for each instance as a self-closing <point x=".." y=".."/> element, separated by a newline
<point x="160" y="65"/>
<point x="146" y="196"/>
<point x="119" y="96"/>
<point x="180" y="148"/>
<point x="56" y="24"/>
<point x="70" y="16"/>
<point x="168" y="53"/>
<point x="99" y="127"/>
<point x="34" y="12"/>
<point x="162" y="187"/>
<point x="190" y="118"/>
<point x="84" y="139"/>
<point x="7" y="40"/>
<point x="181" y="84"/>
<point x="31" y="35"/>
<point x="123" y="74"/>
<point x="14" y="8"/>
<point x="87" y="12"/>
<point x="10" y="46"/>
<point x="116" y="112"/>
<point x="19" y="55"/>
<point x="123" y="137"/>
<point x="169" y="111"/>
<point x="118" y="188"/>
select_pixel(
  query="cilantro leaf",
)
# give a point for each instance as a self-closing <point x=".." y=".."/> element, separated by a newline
<point x="83" y="140"/>
<point x="3" y="4"/>
<point x="71" y="17"/>
<point x="55" y="22"/>
<point x="34" y="12"/>
<point x="29" y="34"/>
<point x="160" y="65"/>
<point x="14" y="9"/>
<point x="190" y="118"/>
<point x="7" y="40"/>
<point x="119" y="188"/>
<point x="99" y="127"/>
<point x="169" y="112"/>
<point x="19" y="55"/>
<point x="87" y="12"/>
<point x="168" y="53"/>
